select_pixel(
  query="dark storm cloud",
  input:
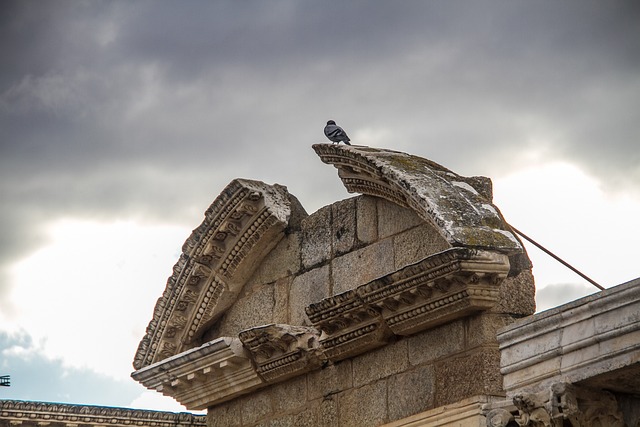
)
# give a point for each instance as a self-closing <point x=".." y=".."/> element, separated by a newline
<point x="121" y="109"/>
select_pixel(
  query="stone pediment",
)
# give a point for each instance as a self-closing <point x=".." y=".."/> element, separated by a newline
<point x="240" y="227"/>
<point x="460" y="207"/>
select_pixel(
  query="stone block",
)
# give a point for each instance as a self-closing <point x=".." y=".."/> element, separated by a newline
<point x="253" y="309"/>
<point x="411" y="392"/>
<point x="290" y="395"/>
<point x="281" y="289"/>
<point x="256" y="407"/>
<point x="315" y="245"/>
<point x="327" y="412"/>
<point x="363" y="265"/>
<point x="228" y="414"/>
<point x="433" y="344"/>
<point x="380" y="363"/>
<point x="306" y="418"/>
<point x="364" y="406"/>
<point x="343" y="227"/>
<point x="330" y="380"/>
<point x="415" y="244"/>
<point x="474" y="373"/>
<point x="367" y="219"/>
<point x="307" y="288"/>
<point x="283" y="260"/>
<point x="482" y="328"/>
<point x="392" y="218"/>
<point x="517" y="295"/>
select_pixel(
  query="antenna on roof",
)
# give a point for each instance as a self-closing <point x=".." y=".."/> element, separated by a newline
<point x="4" y="381"/>
<point x="557" y="258"/>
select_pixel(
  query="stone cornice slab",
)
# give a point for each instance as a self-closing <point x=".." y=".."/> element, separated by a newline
<point x="212" y="373"/>
<point x="460" y="207"/>
<point x="349" y="326"/>
<point x="24" y="413"/>
<point x="244" y="222"/>
<point x="443" y="287"/>
<point x="578" y="341"/>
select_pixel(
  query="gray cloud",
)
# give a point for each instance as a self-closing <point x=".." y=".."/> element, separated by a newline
<point x="148" y="109"/>
<point x="561" y="293"/>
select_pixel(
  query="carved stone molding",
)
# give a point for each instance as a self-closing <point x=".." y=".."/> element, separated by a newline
<point x="244" y="222"/>
<point x="212" y="373"/>
<point x="349" y="325"/>
<point x="438" y="289"/>
<point x="561" y="405"/>
<point x="283" y="351"/>
<point x="32" y="414"/>
<point x="460" y="207"/>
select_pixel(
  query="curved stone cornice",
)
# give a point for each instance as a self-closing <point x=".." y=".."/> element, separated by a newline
<point x="460" y="207"/>
<point x="19" y="412"/>
<point x="240" y="227"/>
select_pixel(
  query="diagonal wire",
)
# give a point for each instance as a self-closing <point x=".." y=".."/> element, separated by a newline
<point x="557" y="258"/>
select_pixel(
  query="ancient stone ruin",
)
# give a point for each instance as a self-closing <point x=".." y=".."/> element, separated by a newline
<point x="368" y="311"/>
<point x="411" y="304"/>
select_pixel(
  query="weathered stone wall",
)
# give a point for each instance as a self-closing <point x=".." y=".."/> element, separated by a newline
<point x="427" y="370"/>
<point x="336" y="249"/>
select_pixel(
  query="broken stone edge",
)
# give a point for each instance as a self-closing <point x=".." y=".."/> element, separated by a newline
<point x="459" y="207"/>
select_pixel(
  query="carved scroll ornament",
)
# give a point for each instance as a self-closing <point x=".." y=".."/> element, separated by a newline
<point x="560" y="406"/>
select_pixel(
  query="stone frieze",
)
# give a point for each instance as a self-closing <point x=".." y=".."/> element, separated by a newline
<point x="443" y="287"/>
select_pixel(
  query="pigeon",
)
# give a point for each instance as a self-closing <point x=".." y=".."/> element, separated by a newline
<point x="335" y="133"/>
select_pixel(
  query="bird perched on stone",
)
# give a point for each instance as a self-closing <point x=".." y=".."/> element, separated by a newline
<point x="335" y="133"/>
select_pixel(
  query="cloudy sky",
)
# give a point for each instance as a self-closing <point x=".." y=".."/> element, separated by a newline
<point x="121" y="121"/>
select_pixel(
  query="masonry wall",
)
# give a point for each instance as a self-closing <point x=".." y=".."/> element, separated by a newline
<point x="338" y="248"/>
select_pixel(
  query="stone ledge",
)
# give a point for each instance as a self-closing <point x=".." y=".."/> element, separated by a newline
<point x="27" y="414"/>
<point x="440" y="288"/>
<point x="574" y="342"/>
<point x="198" y="378"/>
<point x="465" y="413"/>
